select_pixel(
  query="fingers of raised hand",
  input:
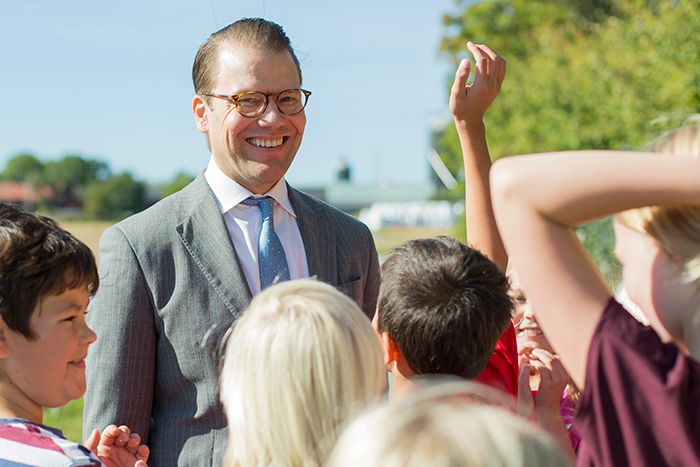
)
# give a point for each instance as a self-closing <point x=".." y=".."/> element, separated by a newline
<point x="461" y="77"/>
<point x="495" y="65"/>
<point x="481" y="59"/>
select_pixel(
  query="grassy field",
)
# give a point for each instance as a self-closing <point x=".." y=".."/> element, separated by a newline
<point x="69" y="417"/>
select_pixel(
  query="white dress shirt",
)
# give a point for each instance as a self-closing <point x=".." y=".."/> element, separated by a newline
<point x="243" y="223"/>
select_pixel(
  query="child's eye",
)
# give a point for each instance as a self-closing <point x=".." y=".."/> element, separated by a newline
<point x="520" y="299"/>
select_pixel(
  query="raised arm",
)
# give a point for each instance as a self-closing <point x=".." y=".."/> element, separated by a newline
<point x="468" y="104"/>
<point x="538" y="200"/>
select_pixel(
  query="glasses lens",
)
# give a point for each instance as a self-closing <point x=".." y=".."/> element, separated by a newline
<point x="251" y="104"/>
<point x="291" y="101"/>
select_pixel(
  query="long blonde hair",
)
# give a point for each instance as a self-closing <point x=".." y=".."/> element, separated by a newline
<point x="675" y="228"/>
<point x="446" y="426"/>
<point x="299" y="363"/>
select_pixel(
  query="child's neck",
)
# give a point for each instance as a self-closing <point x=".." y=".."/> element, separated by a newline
<point x="15" y="404"/>
<point x="401" y="386"/>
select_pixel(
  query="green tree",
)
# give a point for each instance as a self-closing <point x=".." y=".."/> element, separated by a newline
<point x="581" y="74"/>
<point x="24" y="168"/>
<point x="180" y="181"/>
<point x="75" y="171"/>
<point x="115" y="198"/>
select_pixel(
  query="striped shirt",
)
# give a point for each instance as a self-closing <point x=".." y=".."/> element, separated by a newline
<point x="24" y="443"/>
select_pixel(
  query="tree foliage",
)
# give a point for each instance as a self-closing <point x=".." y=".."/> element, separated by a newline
<point x="74" y="171"/>
<point x="24" y="167"/>
<point x="115" y="198"/>
<point x="609" y="74"/>
<point x="180" y="181"/>
<point x="594" y="74"/>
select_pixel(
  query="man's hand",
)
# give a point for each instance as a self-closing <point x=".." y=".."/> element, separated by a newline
<point x="469" y="102"/>
<point x="118" y="447"/>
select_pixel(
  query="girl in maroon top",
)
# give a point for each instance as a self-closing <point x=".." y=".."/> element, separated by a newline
<point x="640" y="401"/>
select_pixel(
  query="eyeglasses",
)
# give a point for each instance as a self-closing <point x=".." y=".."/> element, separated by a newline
<point x="253" y="103"/>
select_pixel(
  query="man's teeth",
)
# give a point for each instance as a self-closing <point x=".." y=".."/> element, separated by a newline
<point x="266" y="143"/>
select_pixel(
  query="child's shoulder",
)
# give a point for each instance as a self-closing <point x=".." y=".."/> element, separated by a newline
<point x="28" y="443"/>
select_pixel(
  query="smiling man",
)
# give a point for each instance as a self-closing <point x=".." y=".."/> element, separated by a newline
<point x="176" y="276"/>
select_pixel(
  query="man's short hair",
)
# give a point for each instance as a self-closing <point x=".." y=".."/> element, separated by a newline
<point x="444" y="304"/>
<point x="256" y="33"/>
<point x="38" y="259"/>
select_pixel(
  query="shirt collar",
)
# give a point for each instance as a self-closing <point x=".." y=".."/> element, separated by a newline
<point x="229" y="193"/>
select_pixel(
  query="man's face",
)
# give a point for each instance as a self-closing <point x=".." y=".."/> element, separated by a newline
<point x="49" y="371"/>
<point x="255" y="152"/>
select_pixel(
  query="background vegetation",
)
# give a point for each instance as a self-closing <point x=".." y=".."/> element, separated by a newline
<point x="86" y="186"/>
<point x="596" y="74"/>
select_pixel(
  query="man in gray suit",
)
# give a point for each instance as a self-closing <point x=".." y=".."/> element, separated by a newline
<point x="176" y="276"/>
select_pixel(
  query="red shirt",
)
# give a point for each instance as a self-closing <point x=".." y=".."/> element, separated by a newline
<point x="501" y="371"/>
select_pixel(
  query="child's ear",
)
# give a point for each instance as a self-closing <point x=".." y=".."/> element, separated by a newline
<point x="4" y="341"/>
<point x="392" y="354"/>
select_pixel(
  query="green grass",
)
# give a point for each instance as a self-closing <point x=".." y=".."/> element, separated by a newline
<point x="68" y="419"/>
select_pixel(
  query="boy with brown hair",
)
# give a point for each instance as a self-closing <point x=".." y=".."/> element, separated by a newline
<point x="442" y="307"/>
<point x="46" y="279"/>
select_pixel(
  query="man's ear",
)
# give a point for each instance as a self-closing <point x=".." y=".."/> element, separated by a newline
<point x="199" y="109"/>
<point x="392" y="354"/>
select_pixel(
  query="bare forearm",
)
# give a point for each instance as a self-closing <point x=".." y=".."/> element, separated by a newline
<point x="571" y="188"/>
<point x="482" y="232"/>
<point x="538" y="198"/>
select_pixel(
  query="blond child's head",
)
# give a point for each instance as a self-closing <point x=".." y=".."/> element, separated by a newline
<point x="299" y="363"/>
<point x="447" y="426"/>
<point x="675" y="232"/>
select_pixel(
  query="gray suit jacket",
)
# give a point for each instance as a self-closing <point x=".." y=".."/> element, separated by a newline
<point x="171" y="286"/>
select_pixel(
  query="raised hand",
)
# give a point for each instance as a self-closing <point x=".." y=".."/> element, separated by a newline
<point x="469" y="102"/>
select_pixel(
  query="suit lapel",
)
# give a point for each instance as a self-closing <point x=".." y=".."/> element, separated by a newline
<point x="205" y="236"/>
<point x="319" y="239"/>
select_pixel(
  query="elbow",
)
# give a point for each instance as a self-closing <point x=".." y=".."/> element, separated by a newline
<point x="507" y="179"/>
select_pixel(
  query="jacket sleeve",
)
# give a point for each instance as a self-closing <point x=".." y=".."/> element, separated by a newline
<point x="373" y="280"/>
<point x="121" y="363"/>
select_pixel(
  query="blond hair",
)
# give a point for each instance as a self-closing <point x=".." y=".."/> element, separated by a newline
<point x="300" y="362"/>
<point x="675" y="228"/>
<point x="442" y="428"/>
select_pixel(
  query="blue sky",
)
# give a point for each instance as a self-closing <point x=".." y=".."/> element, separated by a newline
<point x="111" y="80"/>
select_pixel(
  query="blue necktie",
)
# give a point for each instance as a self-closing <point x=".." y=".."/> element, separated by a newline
<point x="272" y="261"/>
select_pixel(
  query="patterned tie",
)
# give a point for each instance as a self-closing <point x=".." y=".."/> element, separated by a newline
<point x="272" y="261"/>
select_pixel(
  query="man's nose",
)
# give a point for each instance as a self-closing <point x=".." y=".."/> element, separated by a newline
<point x="272" y="114"/>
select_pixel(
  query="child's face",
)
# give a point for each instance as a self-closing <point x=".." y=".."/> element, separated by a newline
<point x="50" y="370"/>
<point x="528" y="332"/>
<point x="651" y="279"/>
